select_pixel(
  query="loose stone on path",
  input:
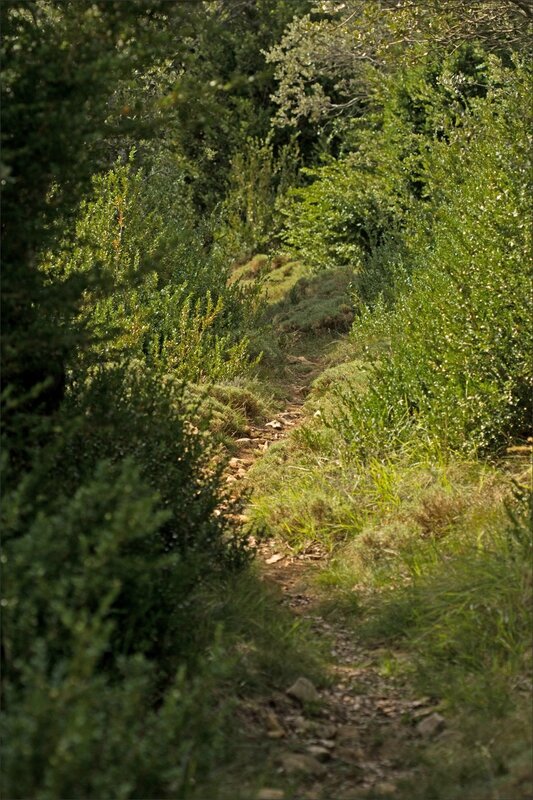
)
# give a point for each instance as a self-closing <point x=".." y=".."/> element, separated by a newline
<point x="304" y="691"/>
<point x="301" y="762"/>
<point x="324" y="743"/>
<point x="271" y="794"/>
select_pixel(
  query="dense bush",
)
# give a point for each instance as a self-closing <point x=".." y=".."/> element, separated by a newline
<point x="344" y="213"/>
<point x="458" y="336"/>
<point x="106" y="541"/>
<point x="355" y="208"/>
<point x="115" y="515"/>
<point x="158" y="290"/>
<point x="258" y="182"/>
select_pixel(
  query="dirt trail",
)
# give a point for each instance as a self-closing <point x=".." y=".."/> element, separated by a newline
<point x="342" y="742"/>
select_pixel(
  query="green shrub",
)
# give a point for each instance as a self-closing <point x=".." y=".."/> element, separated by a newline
<point x="157" y="291"/>
<point x="355" y="209"/>
<point x="258" y="180"/>
<point x="343" y="214"/>
<point x="459" y="333"/>
<point x="123" y="415"/>
<point x="107" y="542"/>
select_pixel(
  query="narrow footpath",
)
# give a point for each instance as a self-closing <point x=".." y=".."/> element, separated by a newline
<point x="345" y="741"/>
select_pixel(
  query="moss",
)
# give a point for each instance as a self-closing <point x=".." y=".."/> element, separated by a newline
<point x="315" y="303"/>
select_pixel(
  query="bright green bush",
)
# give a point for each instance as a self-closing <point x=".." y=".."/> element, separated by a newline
<point x="345" y="212"/>
<point x="173" y="332"/>
<point x="357" y="208"/>
<point x="259" y="179"/>
<point x="157" y="290"/>
<point x="458" y="336"/>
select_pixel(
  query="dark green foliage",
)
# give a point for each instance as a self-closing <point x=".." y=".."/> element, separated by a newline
<point x="129" y="415"/>
<point x="106" y="542"/>
<point x="114" y="515"/>
<point x="62" y="63"/>
<point x="81" y="734"/>
<point x="224" y="89"/>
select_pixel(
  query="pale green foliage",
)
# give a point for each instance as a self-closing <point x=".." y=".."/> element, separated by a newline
<point x="332" y="61"/>
<point x="192" y="349"/>
<point x="258" y="181"/>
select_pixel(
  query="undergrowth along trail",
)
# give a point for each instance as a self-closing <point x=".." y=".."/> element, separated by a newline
<point x="344" y="740"/>
<point x="367" y="377"/>
<point x="389" y="713"/>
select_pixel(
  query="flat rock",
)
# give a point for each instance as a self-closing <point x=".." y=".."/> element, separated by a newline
<point x="314" y="793"/>
<point x="385" y="789"/>
<point x="327" y="732"/>
<point x="348" y="733"/>
<point x="275" y="729"/>
<point x="319" y="752"/>
<point x="431" y="726"/>
<point x="270" y="794"/>
<point x="352" y="755"/>
<point x="301" y="724"/>
<point x="246" y="459"/>
<point x="275" y="558"/>
<point x="422" y="701"/>
<point x="302" y="762"/>
<point x="304" y="691"/>
<point x="328" y="743"/>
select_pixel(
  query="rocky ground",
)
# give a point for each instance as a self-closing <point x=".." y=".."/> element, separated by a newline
<point x="346" y="741"/>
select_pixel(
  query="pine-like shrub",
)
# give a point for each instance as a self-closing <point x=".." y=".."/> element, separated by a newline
<point x="157" y="290"/>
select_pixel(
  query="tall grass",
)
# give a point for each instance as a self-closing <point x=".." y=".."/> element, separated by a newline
<point x="401" y="472"/>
